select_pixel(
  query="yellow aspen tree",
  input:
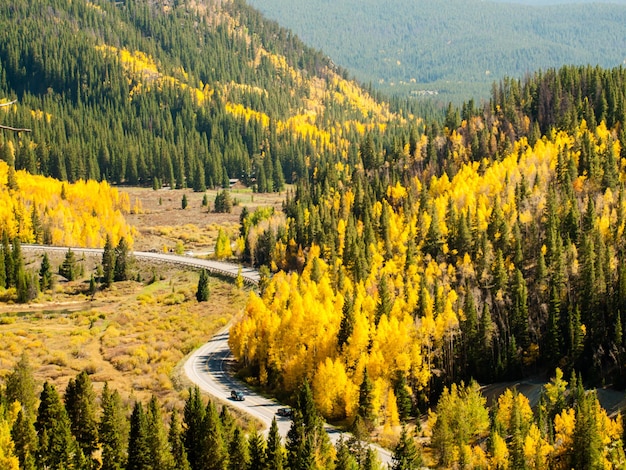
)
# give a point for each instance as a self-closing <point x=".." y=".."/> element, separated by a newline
<point x="391" y="410"/>
<point x="329" y="387"/>
<point x="536" y="449"/>
<point x="499" y="453"/>
<point x="8" y="459"/>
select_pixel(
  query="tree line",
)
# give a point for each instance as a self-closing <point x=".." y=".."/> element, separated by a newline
<point x="80" y="429"/>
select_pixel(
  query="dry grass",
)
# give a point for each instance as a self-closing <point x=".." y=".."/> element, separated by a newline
<point x="132" y="335"/>
<point x="162" y="222"/>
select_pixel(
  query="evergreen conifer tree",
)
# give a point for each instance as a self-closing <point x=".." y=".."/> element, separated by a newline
<point x="238" y="456"/>
<point x="120" y="271"/>
<point x="256" y="450"/>
<point x="202" y="294"/>
<point x="25" y="439"/>
<point x="8" y="261"/>
<point x="3" y="272"/>
<point x="45" y="274"/>
<point x="406" y="455"/>
<point x="274" y="449"/>
<point x="80" y="403"/>
<point x="108" y="263"/>
<point x="113" y="430"/>
<point x="366" y="405"/>
<point x="56" y="448"/>
<point x="68" y="268"/>
<point x="344" y="459"/>
<point x="177" y="445"/>
<point x="156" y="438"/>
<point x="213" y="448"/>
<point x="193" y="417"/>
<point x="139" y="457"/>
<point x="20" y="386"/>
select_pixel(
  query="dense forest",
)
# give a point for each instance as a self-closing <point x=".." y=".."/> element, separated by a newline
<point x="412" y="257"/>
<point x="176" y="93"/>
<point x="488" y="248"/>
<point x="454" y="48"/>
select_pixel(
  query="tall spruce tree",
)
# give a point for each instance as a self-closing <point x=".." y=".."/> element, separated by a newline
<point x="108" y="263"/>
<point x="3" y="272"/>
<point x="274" y="449"/>
<point x="120" y="271"/>
<point x="406" y="455"/>
<point x="68" y="268"/>
<point x="139" y="457"/>
<point x="113" y="430"/>
<point x="256" y="450"/>
<point x="366" y="404"/>
<point x="212" y="446"/>
<point x="238" y="455"/>
<point x="80" y="403"/>
<point x="193" y="417"/>
<point x="8" y="261"/>
<point x="177" y="445"/>
<point x="25" y="439"/>
<point x="45" y="274"/>
<point x="344" y="459"/>
<point x="56" y="448"/>
<point x="156" y="438"/>
<point x="202" y="293"/>
<point x="20" y="386"/>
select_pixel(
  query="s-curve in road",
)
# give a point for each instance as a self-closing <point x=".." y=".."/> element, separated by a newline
<point x="208" y="367"/>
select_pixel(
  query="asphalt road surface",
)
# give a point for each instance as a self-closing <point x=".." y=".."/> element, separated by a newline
<point x="208" y="367"/>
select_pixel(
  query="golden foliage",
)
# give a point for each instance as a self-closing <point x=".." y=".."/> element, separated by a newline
<point x="79" y="214"/>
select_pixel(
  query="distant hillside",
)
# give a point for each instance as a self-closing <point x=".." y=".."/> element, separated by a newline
<point x="457" y="48"/>
<point x="185" y="94"/>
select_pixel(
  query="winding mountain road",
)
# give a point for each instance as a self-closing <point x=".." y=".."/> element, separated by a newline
<point x="208" y="367"/>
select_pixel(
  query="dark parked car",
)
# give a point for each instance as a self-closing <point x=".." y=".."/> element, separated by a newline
<point x="237" y="395"/>
<point x="286" y="412"/>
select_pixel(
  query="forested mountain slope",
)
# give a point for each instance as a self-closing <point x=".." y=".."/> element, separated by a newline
<point x="456" y="48"/>
<point x="491" y="248"/>
<point x="186" y="94"/>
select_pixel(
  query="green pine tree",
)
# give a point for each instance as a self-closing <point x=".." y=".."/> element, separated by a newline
<point x="177" y="445"/>
<point x="139" y="457"/>
<point x="238" y="456"/>
<point x="156" y="438"/>
<point x="406" y="455"/>
<point x="256" y="451"/>
<point x="25" y="439"/>
<point x="120" y="270"/>
<point x="20" y="386"/>
<point x="202" y="293"/>
<point x="213" y="448"/>
<point x="57" y="448"/>
<point x="80" y="403"/>
<point x="108" y="263"/>
<point x="45" y="274"/>
<point x="366" y="404"/>
<point x="274" y="450"/>
<point x="113" y="430"/>
<point x="193" y="417"/>
<point x="68" y="268"/>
